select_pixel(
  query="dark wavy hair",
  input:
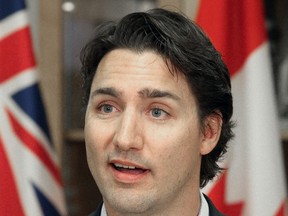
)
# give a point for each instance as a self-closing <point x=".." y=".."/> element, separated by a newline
<point x="186" y="49"/>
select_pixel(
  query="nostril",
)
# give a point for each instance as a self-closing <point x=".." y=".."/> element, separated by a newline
<point x="128" y="134"/>
<point x="126" y="142"/>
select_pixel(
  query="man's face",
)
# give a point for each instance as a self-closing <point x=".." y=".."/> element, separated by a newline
<point x="143" y="138"/>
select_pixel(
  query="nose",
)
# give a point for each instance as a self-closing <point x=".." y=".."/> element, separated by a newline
<point x="129" y="132"/>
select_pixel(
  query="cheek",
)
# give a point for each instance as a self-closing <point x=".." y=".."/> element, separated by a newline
<point x="181" y="148"/>
<point x="93" y="143"/>
<point x="94" y="153"/>
<point x="184" y="150"/>
<point x="178" y="163"/>
<point x="91" y="152"/>
<point x="96" y="134"/>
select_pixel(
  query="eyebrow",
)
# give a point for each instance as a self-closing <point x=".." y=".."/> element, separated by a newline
<point x="106" y="91"/>
<point x="145" y="93"/>
<point x="155" y="93"/>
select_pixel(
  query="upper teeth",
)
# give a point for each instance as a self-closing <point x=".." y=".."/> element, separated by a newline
<point x="124" y="166"/>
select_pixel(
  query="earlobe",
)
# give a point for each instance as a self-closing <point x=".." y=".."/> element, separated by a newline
<point x="211" y="133"/>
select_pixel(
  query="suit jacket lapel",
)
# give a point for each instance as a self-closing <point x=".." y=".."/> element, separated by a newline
<point x="97" y="212"/>
<point x="212" y="209"/>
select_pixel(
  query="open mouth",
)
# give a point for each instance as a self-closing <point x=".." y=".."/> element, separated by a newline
<point x="128" y="169"/>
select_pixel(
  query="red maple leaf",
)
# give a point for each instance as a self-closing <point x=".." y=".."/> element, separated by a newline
<point x="282" y="210"/>
<point x="217" y="195"/>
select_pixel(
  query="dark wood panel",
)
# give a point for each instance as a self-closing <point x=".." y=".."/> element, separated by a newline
<point x="82" y="194"/>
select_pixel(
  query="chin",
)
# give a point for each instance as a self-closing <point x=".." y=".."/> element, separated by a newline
<point x="129" y="203"/>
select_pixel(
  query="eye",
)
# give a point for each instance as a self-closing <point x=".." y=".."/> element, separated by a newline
<point x="106" y="108"/>
<point x="159" y="113"/>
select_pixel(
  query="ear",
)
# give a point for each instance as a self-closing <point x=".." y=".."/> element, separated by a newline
<point x="211" y="132"/>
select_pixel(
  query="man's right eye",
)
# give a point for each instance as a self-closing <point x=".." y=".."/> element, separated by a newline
<point x="106" y="108"/>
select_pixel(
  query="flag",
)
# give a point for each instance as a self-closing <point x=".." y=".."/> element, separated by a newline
<point x="30" y="182"/>
<point x="254" y="183"/>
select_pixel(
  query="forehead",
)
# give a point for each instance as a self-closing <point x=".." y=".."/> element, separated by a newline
<point x="138" y="61"/>
<point x="127" y="62"/>
<point x="125" y="69"/>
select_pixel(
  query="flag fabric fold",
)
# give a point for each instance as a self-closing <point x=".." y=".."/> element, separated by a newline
<point x="30" y="181"/>
<point x="254" y="183"/>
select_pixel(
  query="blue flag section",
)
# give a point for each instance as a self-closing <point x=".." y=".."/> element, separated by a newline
<point x="47" y="207"/>
<point x="8" y="7"/>
<point x="30" y="101"/>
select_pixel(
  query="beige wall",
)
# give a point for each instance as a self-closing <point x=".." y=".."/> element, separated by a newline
<point x="50" y="61"/>
<point x="189" y="7"/>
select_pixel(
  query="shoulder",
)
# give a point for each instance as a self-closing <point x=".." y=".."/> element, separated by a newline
<point x="212" y="209"/>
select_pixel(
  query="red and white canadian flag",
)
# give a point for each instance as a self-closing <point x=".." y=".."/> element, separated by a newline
<point x="254" y="183"/>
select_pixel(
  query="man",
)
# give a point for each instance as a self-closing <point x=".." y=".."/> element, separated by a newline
<point x="158" y="112"/>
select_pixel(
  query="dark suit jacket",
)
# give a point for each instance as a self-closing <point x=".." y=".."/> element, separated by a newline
<point x="212" y="209"/>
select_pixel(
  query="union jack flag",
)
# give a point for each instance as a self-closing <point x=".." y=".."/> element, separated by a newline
<point x="30" y="182"/>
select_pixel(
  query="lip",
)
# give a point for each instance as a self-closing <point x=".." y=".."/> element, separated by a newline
<point x="128" y="176"/>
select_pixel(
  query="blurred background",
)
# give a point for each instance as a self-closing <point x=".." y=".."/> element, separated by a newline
<point x="61" y="28"/>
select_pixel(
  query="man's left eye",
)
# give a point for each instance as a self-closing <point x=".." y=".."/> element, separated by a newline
<point x="157" y="113"/>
